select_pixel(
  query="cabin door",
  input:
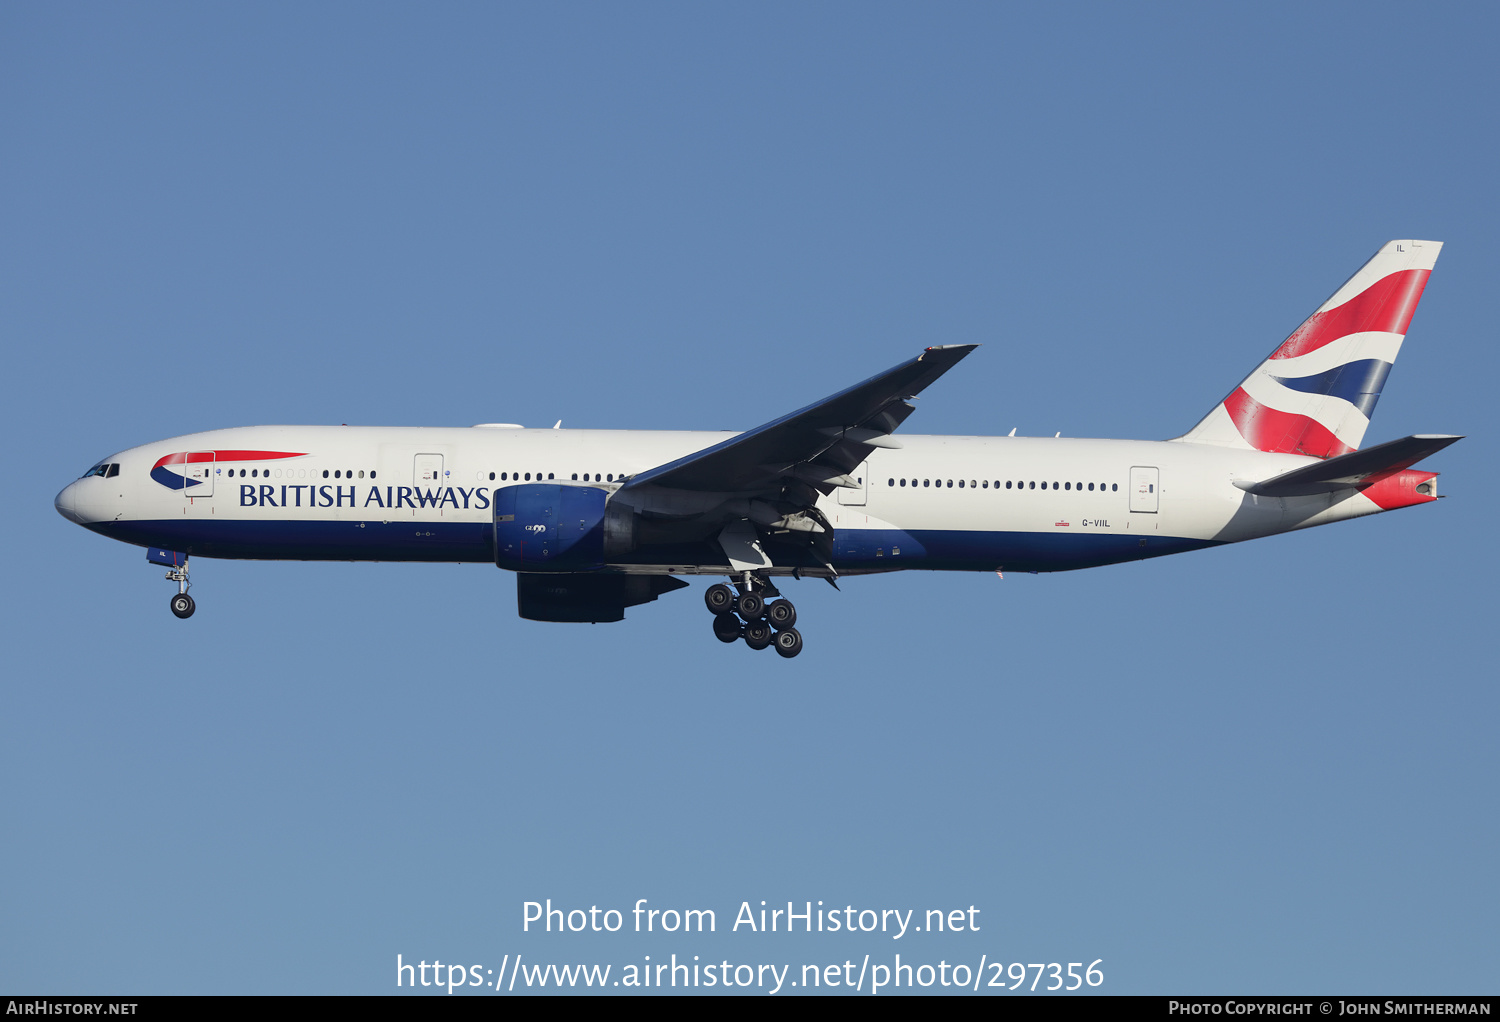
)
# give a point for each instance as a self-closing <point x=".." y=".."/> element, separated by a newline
<point x="428" y="470"/>
<point x="199" y="471"/>
<point x="856" y="497"/>
<point x="1145" y="489"/>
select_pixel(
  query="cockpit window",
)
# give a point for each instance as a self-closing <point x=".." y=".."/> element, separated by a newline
<point x="106" y="470"/>
<point x="114" y="470"/>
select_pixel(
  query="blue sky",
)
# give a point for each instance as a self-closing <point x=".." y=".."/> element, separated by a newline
<point x="1264" y="768"/>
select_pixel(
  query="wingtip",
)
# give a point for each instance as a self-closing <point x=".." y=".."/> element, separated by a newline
<point x="953" y="351"/>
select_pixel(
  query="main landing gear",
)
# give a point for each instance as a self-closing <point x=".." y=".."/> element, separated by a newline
<point x="182" y="604"/>
<point x="748" y="616"/>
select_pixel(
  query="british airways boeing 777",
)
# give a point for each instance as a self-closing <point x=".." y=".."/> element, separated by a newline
<point x="595" y="521"/>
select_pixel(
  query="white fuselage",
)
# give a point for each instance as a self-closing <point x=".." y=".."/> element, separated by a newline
<point x="946" y="502"/>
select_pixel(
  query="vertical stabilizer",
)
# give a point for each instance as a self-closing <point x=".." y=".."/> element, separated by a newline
<point x="1316" y="392"/>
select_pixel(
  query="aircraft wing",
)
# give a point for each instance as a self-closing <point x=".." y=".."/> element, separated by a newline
<point x="1352" y="469"/>
<point x="818" y="445"/>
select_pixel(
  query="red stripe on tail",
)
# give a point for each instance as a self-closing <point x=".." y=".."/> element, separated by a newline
<point x="1386" y="305"/>
<point x="1267" y="429"/>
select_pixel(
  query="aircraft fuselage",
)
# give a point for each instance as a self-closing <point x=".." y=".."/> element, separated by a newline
<point x="957" y="503"/>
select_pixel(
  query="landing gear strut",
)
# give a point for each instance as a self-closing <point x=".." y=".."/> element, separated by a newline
<point x="764" y="624"/>
<point x="182" y="604"/>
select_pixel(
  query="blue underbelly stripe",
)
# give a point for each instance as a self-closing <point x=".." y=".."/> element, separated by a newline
<point x="311" y="541"/>
<point x="854" y="549"/>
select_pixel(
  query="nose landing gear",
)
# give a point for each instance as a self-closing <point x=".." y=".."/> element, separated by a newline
<point x="764" y="624"/>
<point x="177" y="564"/>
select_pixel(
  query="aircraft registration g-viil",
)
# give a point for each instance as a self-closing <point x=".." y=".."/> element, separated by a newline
<point x="595" y="521"/>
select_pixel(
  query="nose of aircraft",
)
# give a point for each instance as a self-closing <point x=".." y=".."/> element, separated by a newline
<point x="66" y="503"/>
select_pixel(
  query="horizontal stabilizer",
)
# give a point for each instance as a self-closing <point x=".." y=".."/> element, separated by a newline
<point x="1351" y="470"/>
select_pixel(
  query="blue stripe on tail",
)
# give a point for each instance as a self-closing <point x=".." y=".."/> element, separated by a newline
<point x="1359" y="383"/>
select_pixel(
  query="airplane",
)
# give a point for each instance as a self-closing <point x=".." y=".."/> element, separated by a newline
<point x="595" y="521"/>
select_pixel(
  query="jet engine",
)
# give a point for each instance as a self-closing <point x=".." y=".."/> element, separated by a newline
<point x="549" y="527"/>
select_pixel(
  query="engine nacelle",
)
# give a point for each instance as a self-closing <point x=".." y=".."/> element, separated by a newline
<point x="549" y="527"/>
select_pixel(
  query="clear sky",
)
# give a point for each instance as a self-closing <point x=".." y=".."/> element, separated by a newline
<point x="1264" y="768"/>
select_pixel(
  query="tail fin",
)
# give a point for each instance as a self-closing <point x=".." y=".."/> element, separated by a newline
<point x="1316" y="392"/>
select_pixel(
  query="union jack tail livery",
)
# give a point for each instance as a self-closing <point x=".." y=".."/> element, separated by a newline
<point x="1316" y="392"/>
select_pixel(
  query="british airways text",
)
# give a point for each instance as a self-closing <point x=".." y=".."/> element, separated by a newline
<point x="459" y="497"/>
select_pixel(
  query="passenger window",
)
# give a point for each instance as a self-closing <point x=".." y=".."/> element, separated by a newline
<point x="1114" y="486"/>
<point x="960" y="484"/>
